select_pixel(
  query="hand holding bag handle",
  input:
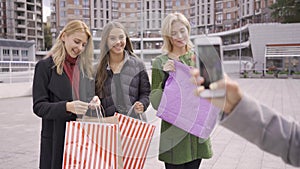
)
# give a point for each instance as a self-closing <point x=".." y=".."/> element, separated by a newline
<point x="141" y="115"/>
<point x="89" y="116"/>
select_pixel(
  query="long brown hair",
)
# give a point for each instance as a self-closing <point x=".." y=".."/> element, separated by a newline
<point x="58" y="51"/>
<point x="101" y="75"/>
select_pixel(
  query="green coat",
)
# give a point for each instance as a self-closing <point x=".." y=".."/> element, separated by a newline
<point x="176" y="145"/>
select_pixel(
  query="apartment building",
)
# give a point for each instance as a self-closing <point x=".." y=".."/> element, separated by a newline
<point x="22" y="20"/>
<point x="143" y="19"/>
<point x="62" y="11"/>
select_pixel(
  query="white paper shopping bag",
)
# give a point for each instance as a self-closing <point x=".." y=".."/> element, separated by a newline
<point x="90" y="145"/>
<point x="136" y="136"/>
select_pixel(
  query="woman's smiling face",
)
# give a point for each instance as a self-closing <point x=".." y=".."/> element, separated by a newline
<point x="75" y="43"/>
<point x="116" y="41"/>
<point x="179" y="35"/>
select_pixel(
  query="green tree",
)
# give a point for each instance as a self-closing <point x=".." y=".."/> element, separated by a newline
<point x="47" y="37"/>
<point x="286" y="11"/>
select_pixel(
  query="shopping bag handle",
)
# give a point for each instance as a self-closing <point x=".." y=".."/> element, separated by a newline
<point x="132" y="110"/>
<point x="98" y="109"/>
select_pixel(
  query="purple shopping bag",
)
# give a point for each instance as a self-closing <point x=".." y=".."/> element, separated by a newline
<point x="180" y="107"/>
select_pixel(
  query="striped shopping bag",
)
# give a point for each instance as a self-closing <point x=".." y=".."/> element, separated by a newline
<point x="136" y="136"/>
<point x="90" y="145"/>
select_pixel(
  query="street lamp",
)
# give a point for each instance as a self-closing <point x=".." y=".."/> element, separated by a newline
<point x="240" y="48"/>
<point x="142" y="31"/>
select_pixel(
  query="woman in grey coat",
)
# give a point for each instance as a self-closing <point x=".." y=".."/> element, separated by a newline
<point x="256" y="122"/>
<point x="121" y="80"/>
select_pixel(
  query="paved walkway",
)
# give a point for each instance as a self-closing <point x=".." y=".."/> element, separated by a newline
<point x="20" y="128"/>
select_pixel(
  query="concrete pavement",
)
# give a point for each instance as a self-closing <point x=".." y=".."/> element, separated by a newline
<point x="20" y="130"/>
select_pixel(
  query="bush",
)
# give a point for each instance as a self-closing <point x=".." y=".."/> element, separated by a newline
<point x="283" y="72"/>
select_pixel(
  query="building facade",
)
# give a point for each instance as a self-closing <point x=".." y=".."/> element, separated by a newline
<point x="22" y="20"/>
<point x="143" y="19"/>
<point x="17" y="50"/>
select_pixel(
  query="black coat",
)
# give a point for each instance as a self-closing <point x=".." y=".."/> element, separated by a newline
<point x="50" y="93"/>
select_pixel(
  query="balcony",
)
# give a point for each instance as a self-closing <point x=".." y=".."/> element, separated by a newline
<point x="38" y="3"/>
<point x="21" y="26"/>
<point x="39" y="12"/>
<point x="23" y="34"/>
<point x="53" y="30"/>
<point x="20" y="9"/>
<point x="257" y="11"/>
<point x="21" y="17"/>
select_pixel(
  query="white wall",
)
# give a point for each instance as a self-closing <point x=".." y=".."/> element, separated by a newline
<point x="8" y="90"/>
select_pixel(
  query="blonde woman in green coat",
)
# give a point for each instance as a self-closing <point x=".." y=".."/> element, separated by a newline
<point x="178" y="149"/>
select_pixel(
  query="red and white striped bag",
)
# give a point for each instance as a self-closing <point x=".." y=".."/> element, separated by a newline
<point x="136" y="136"/>
<point x="92" y="145"/>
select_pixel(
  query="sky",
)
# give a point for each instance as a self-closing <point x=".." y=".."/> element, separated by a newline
<point x="46" y="9"/>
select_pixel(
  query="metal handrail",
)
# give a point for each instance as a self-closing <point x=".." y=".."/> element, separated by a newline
<point x="16" y="71"/>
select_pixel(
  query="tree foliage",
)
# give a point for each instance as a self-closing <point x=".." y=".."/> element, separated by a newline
<point x="47" y="37"/>
<point x="286" y="11"/>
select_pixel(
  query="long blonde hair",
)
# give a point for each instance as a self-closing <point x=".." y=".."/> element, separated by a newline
<point x="101" y="75"/>
<point x="167" y="28"/>
<point x="58" y="51"/>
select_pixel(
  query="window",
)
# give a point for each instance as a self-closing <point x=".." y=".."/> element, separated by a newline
<point x="228" y="16"/>
<point x="169" y="4"/>
<point x="153" y="4"/>
<point x="62" y="23"/>
<point x="62" y="4"/>
<point x="228" y="4"/>
<point x="115" y="5"/>
<point x="193" y="22"/>
<point x="208" y="19"/>
<point x="219" y="18"/>
<point x="115" y="14"/>
<point x="186" y="13"/>
<point x="219" y="6"/>
<point x="95" y="24"/>
<point x="131" y="5"/>
<point x="86" y="3"/>
<point x="86" y="12"/>
<point x="77" y="12"/>
<point x="76" y="2"/>
<point x="123" y="5"/>
<point x="63" y="13"/>
<point x="5" y="52"/>
<point x="15" y="52"/>
<point x="24" y="52"/>
<point x="248" y="9"/>
<point x="95" y="14"/>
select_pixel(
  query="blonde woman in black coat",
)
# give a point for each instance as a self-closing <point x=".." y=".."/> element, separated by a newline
<point x="62" y="88"/>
